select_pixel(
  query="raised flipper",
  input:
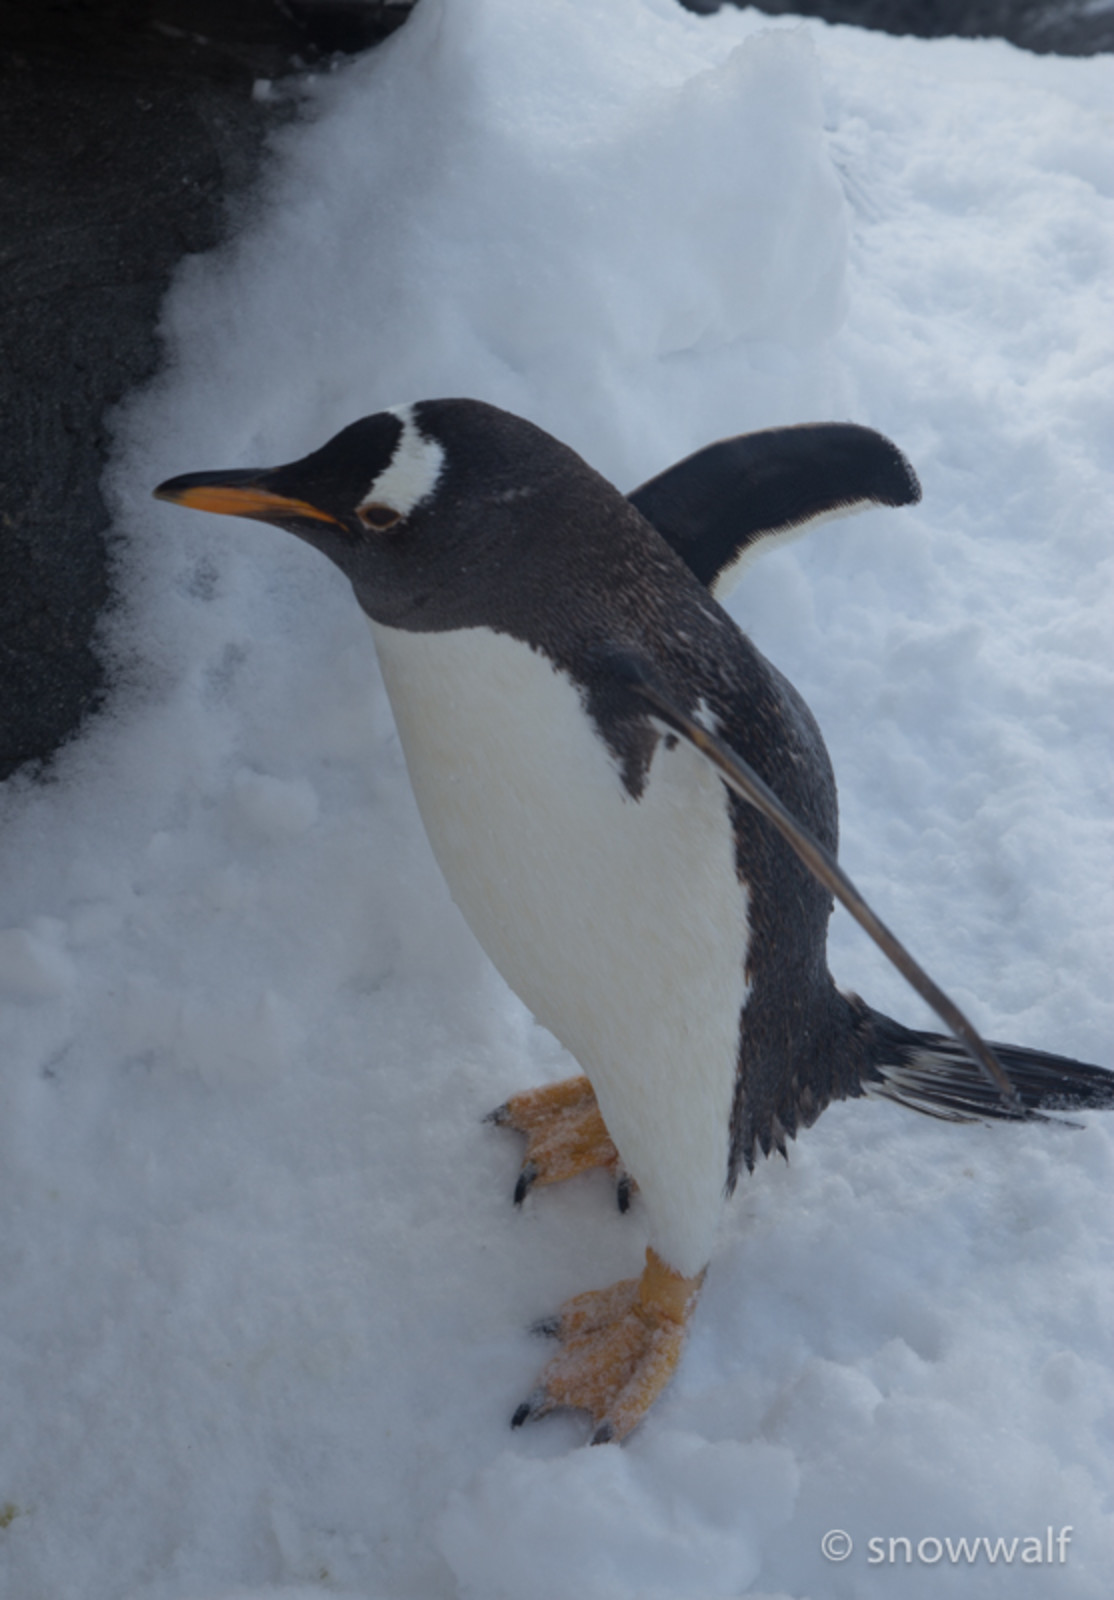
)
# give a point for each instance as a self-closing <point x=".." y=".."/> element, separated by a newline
<point x="722" y="506"/>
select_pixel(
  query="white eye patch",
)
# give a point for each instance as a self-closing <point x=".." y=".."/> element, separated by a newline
<point x="413" y="472"/>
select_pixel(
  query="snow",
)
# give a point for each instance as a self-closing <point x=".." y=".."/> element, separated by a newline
<point x="265" y="1296"/>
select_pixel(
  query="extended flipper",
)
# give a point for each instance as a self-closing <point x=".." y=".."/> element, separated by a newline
<point x="644" y="684"/>
<point x="720" y="507"/>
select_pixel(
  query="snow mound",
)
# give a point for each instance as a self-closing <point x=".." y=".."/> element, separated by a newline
<point x="674" y="1516"/>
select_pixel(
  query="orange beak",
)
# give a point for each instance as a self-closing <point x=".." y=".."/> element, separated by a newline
<point x="236" y="494"/>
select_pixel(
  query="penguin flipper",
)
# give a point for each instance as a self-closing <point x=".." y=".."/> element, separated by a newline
<point x="637" y="676"/>
<point x="720" y="507"/>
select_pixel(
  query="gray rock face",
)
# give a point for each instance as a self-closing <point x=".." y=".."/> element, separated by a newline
<point x="1066" y="27"/>
<point x="125" y="126"/>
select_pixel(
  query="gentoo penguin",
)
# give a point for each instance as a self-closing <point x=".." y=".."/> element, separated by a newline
<point x="634" y="811"/>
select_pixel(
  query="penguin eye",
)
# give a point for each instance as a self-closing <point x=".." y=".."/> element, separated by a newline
<point x="378" y="518"/>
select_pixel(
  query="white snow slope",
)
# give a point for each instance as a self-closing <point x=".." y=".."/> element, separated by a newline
<point x="264" y="1294"/>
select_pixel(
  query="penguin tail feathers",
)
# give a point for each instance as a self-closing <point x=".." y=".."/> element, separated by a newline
<point x="932" y="1073"/>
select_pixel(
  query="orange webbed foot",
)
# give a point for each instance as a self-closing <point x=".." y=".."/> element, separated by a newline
<point x="565" y="1136"/>
<point x="620" y="1347"/>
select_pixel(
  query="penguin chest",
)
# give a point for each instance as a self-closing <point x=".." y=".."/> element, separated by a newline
<point x="621" y="923"/>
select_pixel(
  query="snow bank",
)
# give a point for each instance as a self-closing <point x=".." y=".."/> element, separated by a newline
<point x="683" y="1517"/>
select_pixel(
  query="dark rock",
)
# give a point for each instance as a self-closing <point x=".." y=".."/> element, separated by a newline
<point x="1066" y="27"/>
<point x="125" y="128"/>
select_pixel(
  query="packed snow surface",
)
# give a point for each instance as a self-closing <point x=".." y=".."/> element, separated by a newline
<point x="265" y="1297"/>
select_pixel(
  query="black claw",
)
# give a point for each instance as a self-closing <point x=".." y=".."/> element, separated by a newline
<point x="603" y="1434"/>
<point x="623" y="1192"/>
<point x="547" y="1327"/>
<point x="537" y="1405"/>
<point x="500" y="1115"/>
<point x="526" y="1180"/>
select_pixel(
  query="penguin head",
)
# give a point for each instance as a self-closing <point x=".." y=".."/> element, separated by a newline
<point x="410" y="501"/>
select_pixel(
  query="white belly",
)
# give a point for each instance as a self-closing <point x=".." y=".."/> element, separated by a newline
<point x="620" y="923"/>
